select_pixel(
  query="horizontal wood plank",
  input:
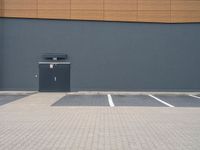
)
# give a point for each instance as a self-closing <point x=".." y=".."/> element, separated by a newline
<point x="54" y="4"/>
<point x="185" y="5"/>
<point x="54" y="14"/>
<point x="87" y="14"/>
<point x="21" y="13"/>
<point x="124" y="5"/>
<point x="153" y="4"/>
<point x="120" y="15"/>
<point x="154" y="16"/>
<point x="87" y="5"/>
<point x="20" y="4"/>
<point x="185" y="16"/>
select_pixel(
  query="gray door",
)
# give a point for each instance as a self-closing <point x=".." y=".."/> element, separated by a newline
<point x="54" y="77"/>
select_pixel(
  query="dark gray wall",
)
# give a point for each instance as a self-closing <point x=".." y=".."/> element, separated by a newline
<point x="104" y="55"/>
<point x="1" y="50"/>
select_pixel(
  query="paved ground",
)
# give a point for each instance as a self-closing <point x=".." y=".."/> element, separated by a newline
<point x="135" y="100"/>
<point x="83" y="100"/>
<point x="181" y="100"/>
<point x="4" y="99"/>
<point x="45" y="121"/>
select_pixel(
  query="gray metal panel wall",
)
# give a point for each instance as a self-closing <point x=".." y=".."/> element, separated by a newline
<point x="1" y="51"/>
<point x="104" y="55"/>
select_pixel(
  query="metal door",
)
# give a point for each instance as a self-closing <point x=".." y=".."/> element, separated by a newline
<point x="54" y="77"/>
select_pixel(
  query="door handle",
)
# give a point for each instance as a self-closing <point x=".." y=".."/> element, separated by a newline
<point x="55" y="79"/>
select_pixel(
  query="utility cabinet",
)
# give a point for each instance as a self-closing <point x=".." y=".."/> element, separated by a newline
<point x="54" y="76"/>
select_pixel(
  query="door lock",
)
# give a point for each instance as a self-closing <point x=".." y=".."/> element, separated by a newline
<point x="51" y="66"/>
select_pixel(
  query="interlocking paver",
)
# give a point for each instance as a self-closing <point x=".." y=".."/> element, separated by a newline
<point x="31" y="123"/>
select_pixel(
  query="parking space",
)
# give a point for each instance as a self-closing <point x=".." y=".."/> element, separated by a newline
<point x="5" y="99"/>
<point x="198" y="95"/>
<point x="180" y="100"/>
<point x="129" y="100"/>
<point x="136" y="100"/>
<point x="82" y="100"/>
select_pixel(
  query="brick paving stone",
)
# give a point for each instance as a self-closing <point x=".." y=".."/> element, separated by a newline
<point x="31" y="123"/>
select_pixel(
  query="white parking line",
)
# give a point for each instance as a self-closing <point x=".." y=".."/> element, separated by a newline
<point x="161" y="101"/>
<point x="194" y="96"/>
<point x="110" y="101"/>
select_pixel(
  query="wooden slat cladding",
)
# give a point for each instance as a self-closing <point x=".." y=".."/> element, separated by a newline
<point x="20" y="4"/>
<point x="20" y="8"/>
<point x="154" y="11"/>
<point x="154" y="5"/>
<point x="87" y="14"/>
<point x="166" y="11"/>
<point x="185" y="5"/>
<point x="1" y="8"/>
<point x="87" y="9"/>
<point x="154" y="16"/>
<point x="124" y="5"/>
<point x="185" y="16"/>
<point x="21" y="13"/>
<point x="114" y="15"/>
<point x="185" y="10"/>
<point x="54" y="13"/>
<point x="120" y="10"/>
<point x="54" y="4"/>
<point x="54" y="9"/>
<point x="96" y="5"/>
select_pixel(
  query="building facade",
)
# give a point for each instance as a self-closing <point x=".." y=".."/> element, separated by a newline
<point x="133" y="55"/>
